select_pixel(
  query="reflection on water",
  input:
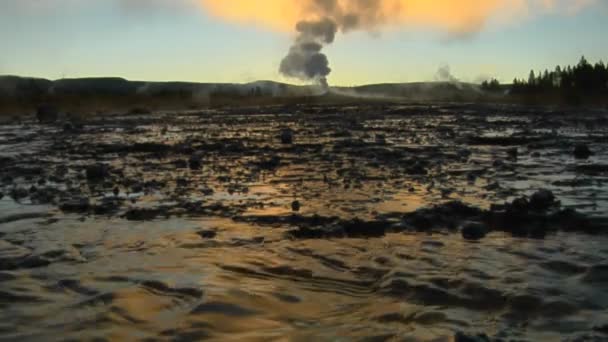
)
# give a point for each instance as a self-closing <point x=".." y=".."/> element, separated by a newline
<point x="162" y="279"/>
<point x="166" y="249"/>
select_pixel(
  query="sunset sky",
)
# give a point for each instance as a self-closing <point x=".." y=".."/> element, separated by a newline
<point x="243" y="41"/>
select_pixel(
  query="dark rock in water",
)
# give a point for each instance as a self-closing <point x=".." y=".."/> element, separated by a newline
<point x="18" y="193"/>
<point x="474" y="231"/>
<point x="513" y="153"/>
<point x="295" y="206"/>
<point x="96" y="172"/>
<point x="207" y="234"/>
<point x="195" y="162"/>
<point x="462" y="337"/>
<point x="142" y="214"/>
<point x="287" y="136"/>
<point x="597" y="274"/>
<point x="139" y="111"/>
<point x="446" y="215"/>
<point x="602" y="328"/>
<point x="582" y="151"/>
<point x="44" y="195"/>
<point x="464" y="153"/>
<point x="420" y="220"/>
<point x="542" y="200"/>
<point x="519" y="205"/>
<point x="79" y="205"/>
<point x="416" y="169"/>
<point x="180" y="164"/>
<point x="182" y="182"/>
<point x="47" y="114"/>
<point x="592" y="169"/>
<point x="108" y="205"/>
<point x="312" y="233"/>
<point x="270" y="163"/>
<point x="225" y="309"/>
<point x="359" y="228"/>
<point x="68" y="127"/>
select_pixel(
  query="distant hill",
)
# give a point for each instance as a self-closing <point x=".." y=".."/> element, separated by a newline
<point x="15" y="86"/>
<point x="103" y="94"/>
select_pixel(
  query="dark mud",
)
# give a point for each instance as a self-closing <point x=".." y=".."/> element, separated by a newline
<point x="379" y="222"/>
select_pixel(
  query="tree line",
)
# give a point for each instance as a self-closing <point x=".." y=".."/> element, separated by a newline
<point x="583" y="80"/>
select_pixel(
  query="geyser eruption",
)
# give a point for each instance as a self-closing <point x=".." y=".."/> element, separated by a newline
<point x="305" y="60"/>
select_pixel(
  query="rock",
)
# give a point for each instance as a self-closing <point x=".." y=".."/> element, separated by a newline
<point x="542" y="200"/>
<point x="597" y="274"/>
<point x="139" y="111"/>
<point x="462" y="337"/>
<point x="582" y="151"/>
<point x="519" y="205"/>
<point x="364" y="229"/>
<point x="195" y="162"/>
<point x="295" y="206"/>
<point x="68" y="127"/>
<point x="473" y="231"/>
<point x="19" y="193"/>
<point x="107" y="206"/>
<point x="601" y="328"/>
<point x="270" y="163"/>
<point x="47" y="113"/>
<point x="79" y="205"/>
<point x="287" y="136"/>
<point x="464" y="153"/>
<point x="498" y="163"/>
<point x="180" y="164"/>
<point x="44" y="195"/>
<point x="143" y="214"/>
<point x="417" y="169"/>
<point x="96" y="172"/>
<point x="207" y="234"/>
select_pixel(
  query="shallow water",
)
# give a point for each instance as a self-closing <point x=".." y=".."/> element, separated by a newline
<point x="216" y="262"/>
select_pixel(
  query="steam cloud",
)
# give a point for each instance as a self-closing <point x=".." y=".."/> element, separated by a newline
<point x="305" y="59"/>
<point x="444" y="74"/>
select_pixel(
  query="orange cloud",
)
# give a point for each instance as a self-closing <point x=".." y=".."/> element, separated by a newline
<point x="455" y="16"/>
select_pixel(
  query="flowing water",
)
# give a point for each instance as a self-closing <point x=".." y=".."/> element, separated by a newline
<point x="184" y="234"/>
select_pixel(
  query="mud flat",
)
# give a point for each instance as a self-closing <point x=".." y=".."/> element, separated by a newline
<point x="381" y="222"/>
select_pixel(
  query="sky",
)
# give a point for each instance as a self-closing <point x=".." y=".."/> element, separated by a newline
<point x="247" y="40"/>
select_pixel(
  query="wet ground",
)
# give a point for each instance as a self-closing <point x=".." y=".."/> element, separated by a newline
<point x="399" y="223"/>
